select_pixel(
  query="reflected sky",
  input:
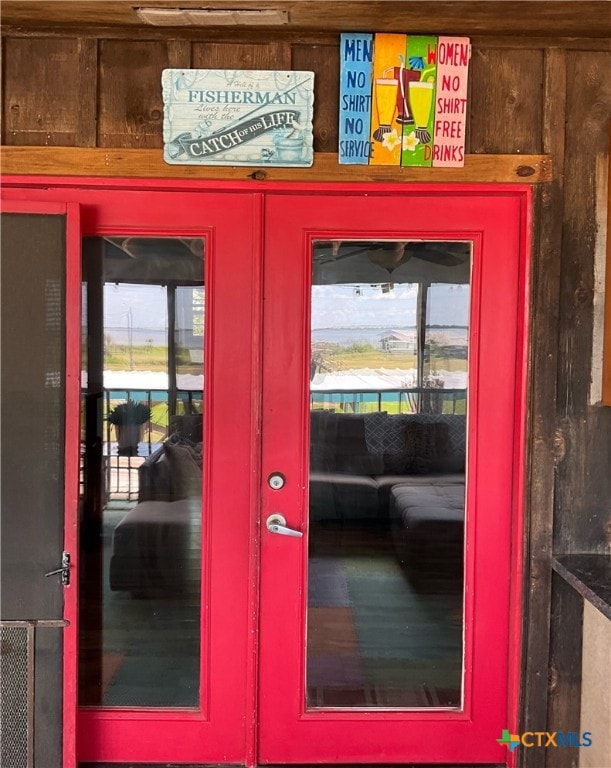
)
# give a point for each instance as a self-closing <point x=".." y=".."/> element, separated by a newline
<point x="355" y="305"/>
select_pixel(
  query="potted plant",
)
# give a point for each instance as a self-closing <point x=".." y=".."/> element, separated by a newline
<point x="128" y="419"/>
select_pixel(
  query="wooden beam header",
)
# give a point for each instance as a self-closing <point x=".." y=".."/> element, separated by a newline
<point x="588" y="18"/>
<point x="149" y="164"/>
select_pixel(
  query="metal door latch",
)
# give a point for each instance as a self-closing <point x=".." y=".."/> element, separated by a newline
<point x="64" y="570"/>
<point x="277" y="524"/>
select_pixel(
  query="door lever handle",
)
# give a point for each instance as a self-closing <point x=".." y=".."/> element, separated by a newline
<point x="277" y="524"/>
<point x="64" y="570"/>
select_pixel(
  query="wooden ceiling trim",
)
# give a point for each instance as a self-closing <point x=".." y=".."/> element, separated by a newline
<point x="148" y="163"/>
<point x="586" y="18"/>
<point x="287" y="36"/>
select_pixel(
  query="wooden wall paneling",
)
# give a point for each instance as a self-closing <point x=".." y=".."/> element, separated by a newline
<point x="545" y="288"/>
<point x="2" y="92"/>
<point x="323" y="60"/>
<point x="234" y="55"/>
<point x="564" y="704"/>
<point x="606" y="386"/>
<point x="505" y="106"/>
<point x="87" y="90"/>
<point x="41" y="99"/>
<point x="179" y="54"/>
<point x="130" y="100"/>
<point x="583" y="490"/>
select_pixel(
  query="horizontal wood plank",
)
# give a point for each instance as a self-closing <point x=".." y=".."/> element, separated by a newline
<point x="290" y="35"/>
<point x="587" y="18"/>
<point x="149" y="163"/>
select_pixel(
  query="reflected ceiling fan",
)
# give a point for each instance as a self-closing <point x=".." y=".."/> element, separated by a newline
<point x="147" y="247"/>
<point x="392" y="254"/>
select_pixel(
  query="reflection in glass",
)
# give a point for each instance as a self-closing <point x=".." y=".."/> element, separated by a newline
<point x="388" y="396"/>
<point x="141" y="472"/>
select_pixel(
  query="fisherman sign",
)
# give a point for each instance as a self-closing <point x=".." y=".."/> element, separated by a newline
<point x="237" y="117"/>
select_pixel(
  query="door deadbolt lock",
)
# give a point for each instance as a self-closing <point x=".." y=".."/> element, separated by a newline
<point x="276" y="481"/>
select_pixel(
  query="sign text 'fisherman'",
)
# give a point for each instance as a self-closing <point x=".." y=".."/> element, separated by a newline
<point x="237" y="117"/>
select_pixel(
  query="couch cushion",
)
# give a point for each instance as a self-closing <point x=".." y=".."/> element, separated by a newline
<point x="185" y="466"/>
<point x="351" y="453"/>
<point x="436" y="496"/>
<point x="154" y="478"/>
<point x="423" y="443"/>
<point x="323" y="434"/>
<point x="339" y="496"/>
<point x="338" y="443"/>
<point x="420" y="515"/>
<point x="431" y="494"/>
<point x="457" y="437"/>
<point x="426" y="446"/>
<point x="450" y="478"/>
<point x="376" y="429"/>
<point x="187" y="426"/>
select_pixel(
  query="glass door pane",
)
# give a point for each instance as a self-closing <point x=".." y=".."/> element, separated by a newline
<point x="388" y="404"/>
<point x="141" y="481"/>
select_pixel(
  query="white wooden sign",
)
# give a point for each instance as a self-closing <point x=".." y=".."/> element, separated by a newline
<point x="237" y="117"/>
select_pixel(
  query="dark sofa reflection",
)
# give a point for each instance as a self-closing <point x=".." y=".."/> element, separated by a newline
<point x="156" y="546"/>
<point x="406" y="471"/>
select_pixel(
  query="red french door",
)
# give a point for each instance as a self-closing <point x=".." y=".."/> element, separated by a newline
<point x="314" y="554"/>
<point x="175" y="680"/>
<point x="387" y="632"/>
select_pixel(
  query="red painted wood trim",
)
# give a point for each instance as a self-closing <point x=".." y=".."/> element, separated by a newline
<point x="520" y="452"/>
<point x="19" y="204"/>
<point x="71" y="474"/>
<point x="50" y="183"/>
<point x="256" y="312"/>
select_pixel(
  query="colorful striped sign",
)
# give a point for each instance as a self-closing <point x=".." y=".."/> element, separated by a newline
<point x="403" y="99"/>
<point x="419" y="94"/>
<point x="356" y="51"/>
<point x="453" y="55"/>
<point x="389" y="53"/>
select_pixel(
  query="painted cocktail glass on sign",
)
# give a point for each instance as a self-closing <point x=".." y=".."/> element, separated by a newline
<point x="388" y="404"/>
<point x="386" y="104"/>
<point x="421" y="100"/>
<point x="404" y="77"/>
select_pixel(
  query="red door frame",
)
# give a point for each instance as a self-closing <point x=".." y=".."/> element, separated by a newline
<point x="87" y="191"/>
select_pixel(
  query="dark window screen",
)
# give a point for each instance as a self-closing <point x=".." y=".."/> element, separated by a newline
<point x="32" y="449"/>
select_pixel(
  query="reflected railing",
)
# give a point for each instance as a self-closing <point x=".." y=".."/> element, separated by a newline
<point x="121" y="467"/>
<point x="121" y="471"/>
<point x="407" y="400"/>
